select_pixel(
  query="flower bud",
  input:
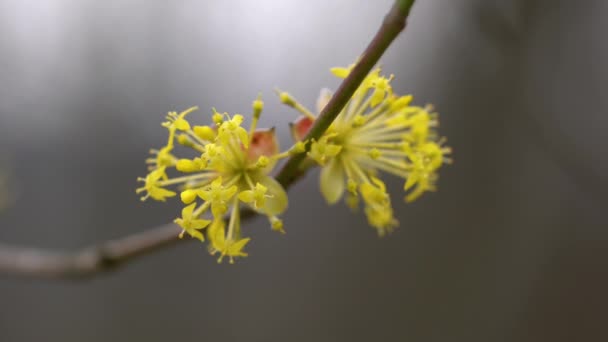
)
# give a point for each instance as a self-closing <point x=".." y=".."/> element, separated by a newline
<point x="187" y="165"/>
<point x="287" y="99"/>
<point x="204" y="132"/>
<point x="188" y="196"/>
<point x="184" y="140"/>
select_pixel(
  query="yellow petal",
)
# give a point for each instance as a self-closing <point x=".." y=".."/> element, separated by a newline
<point x="340" y="72"/>
<point x="332" y="181"/>
<point x="377" y="97"/>
<point x="217" y="182"/>
<point x="411" y="180"/>
<point x="277" y="224"/>
<point x="236" y="248"/>
<point x="414" y="195"/>
<point x="228" y="193"/>
<point x="182" y="124"/>
<point x="246" y="196"/>
<point x="196" y="234"/>
<point x="352" y="201"/>
<point x="156" y="174"/>
<point x="216" y="233"/>
<point x="200" y="224"/>
<point x="332" y="150"/>
<point x="243" y="136"/>
<point x="217" y="118"/>
<point x="277" y="203"/>
<point x="401" y="102"/>
<point x="160" y="194"/>
<point x="218" y="209"/>
<point x="205" y="195"/>
<point x="379" y="183"/>
<point x="187" y="211"/>
<point x="238" y="119"/>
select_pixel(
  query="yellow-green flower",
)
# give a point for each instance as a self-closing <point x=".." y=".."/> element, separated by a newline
<point x="153" y="186"/>
<point x="227" y="166"/>
<point x="226" y="245"/>
<point x="191" y="225"/>
<point x="257" y="196"/>
<point x="376" y="131"/>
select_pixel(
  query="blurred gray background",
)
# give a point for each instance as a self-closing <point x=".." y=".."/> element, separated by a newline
<point x="514" y="246"/>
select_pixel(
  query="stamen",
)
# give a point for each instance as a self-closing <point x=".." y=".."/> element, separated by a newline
<point x="349" y="172"/>
<point x="282" y="155"/>
<point x="360" y="110"/>
<point x="380" y="145"/>
<point x="354" y="104"/>
<point x="287" y="99"/>
<point x="234" y="219"/>
<point x="358" y="171"/>
<point x="258" y="106"/>
<point x="249" y="181"/>
<point x="392" y="169"/>
<point x="185" y="179"/>
<point x="197" y="139"/>
<point x="200" y="210"/>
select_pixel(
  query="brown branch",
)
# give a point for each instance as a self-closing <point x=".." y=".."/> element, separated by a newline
<point x="88" y="261"/>
<point x="92" y="260"/>
<point x="109" y="255"/>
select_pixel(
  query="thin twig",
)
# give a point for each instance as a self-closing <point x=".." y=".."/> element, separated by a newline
<point x="88" y="261"/>
<point x="92" y="260"/>
<point x="111" y="254"/>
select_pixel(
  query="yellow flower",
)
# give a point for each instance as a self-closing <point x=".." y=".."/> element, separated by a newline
<point x="164" y="158"/>
<point x="225" y="246"/>
<point x="277" y="224"/>
<point x="322" y="150"/>
<point x="378" y="207"/>
<point x="191" y="225"/>
<point x="257" y="196"/>
<point x="152" y="186"/>
<point x="425" y="162"/>
<point x="232" y="129"/>
<point x="376" y="131"/>
<point x="229" y="166"/>
<point x="218" y="196"/>
<point x="382" y="87"/>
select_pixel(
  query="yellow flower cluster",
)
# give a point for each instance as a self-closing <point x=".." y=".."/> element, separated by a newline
<point x="376" y="131"/>
<point x="228" y="167"/>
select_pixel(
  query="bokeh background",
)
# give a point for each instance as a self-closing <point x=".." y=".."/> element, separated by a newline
<point x="514" y="246"/>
